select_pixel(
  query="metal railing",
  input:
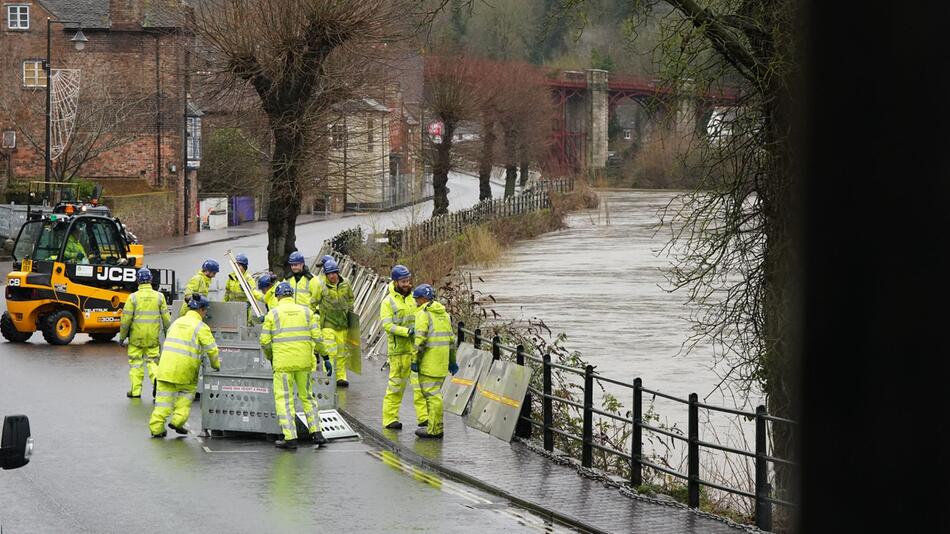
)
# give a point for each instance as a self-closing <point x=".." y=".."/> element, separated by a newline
<point x="763" y="490"/>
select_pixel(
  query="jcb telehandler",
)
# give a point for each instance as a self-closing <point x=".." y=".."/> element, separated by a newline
<point x="74" y="265"/>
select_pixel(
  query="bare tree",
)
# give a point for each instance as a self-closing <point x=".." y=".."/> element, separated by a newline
<point x="299" y="58"/>
<point x="106" y="120"/>
<point x="450" y="95"/>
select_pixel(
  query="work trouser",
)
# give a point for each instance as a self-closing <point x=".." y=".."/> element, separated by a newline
<point x="284" y="383"/>
<point x="335" y="343"/>
<point x="143" y="361"/>
<point x="169" y="397"/>
<point x="399" y="374"/>
<point x="431" y="388"/>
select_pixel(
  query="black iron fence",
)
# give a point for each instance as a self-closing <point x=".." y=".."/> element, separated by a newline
<point x="762" y="495"/>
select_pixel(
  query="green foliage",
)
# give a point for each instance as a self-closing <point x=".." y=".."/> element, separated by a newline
<point x="232" y="163"/>
<point x="601" y="60"/>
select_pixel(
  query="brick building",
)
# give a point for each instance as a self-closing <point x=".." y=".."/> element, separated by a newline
<point x="132" y="113"/>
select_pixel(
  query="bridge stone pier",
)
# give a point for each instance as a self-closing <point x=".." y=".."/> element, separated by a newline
<point x="585" y="101"/>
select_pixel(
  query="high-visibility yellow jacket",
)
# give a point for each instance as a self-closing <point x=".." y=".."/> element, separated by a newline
<point x="290" y="337"/>
<point x="434" y="340"/>
<point x="144" y="316"/>
<point x="306" y="289"/>
<point x="74" y="250"/>
<point x="232" y="288"/>
<point x="397" y="315"/>
<point x="335" y="302"/>
<point x="186" y="340"/>
<point x="199" y="283"/>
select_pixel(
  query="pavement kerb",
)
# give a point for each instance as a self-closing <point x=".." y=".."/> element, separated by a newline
<point x="229" y="238"/>
<point x="458" y="476"/>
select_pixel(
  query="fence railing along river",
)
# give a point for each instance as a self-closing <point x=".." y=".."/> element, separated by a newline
<point x="547" y="404"/>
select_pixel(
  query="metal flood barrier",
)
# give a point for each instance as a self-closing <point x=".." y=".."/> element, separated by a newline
<point x="240" y="397"/>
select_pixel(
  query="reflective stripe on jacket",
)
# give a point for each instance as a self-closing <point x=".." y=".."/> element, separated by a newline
<point x="434" y="339"/>
<point x="144" y="316"/>
<point x="290" y="336"/>
<point x="397" y="314"/>
<point x="306" y="289"/>
<point x="186" y="340"/>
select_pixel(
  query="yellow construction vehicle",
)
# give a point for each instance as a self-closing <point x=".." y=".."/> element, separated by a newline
<point x="74" y="265"/>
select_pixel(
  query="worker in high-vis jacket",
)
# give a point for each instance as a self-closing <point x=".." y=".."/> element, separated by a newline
<point x="264" y="294"/>
<point x="434" y="343"/>
<point x="144" y="317"/>
<point x="232" y="287"/>
<point x="200" y="283"/>
<point x="187" y="340"/>
<point x="335" y="302"/>
<point x="290" y="338"/>
<point x="306" y="286"/>
<point x="397" y="314"/>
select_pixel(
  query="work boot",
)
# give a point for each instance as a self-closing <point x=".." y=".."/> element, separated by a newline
<point x="317" y="438"/>
<point x="424" y="434"/>
<point x="131" y="396"/>
<point x="395" y="425"/>
<point x="180" y="429"/>
<point x="286" y="444"/>
<point x="162" y="435"/>
<point x="423" y="423"/>
<point x="342" y="384"/>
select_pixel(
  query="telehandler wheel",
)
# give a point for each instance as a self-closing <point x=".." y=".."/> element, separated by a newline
<point x="59" y="328"/>
<point x="102" y="337"/>
<point x="10" y="332"/>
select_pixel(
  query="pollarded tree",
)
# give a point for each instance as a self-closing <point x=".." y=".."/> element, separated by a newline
<point x="299" y="58"/>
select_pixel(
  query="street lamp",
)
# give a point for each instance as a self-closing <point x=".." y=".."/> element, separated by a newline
<point x="79" y="41"/>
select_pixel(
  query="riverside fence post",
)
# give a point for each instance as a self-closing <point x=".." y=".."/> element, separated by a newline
<point x="478" y="338"/>
<point x="496" y="348"/>
<point x="461" y="333"/>
<point x="547" y="409"/>
<point x="693" y="460"/>
<point x="636" y="448"/>
<point x="763" y="508"/>
<point x="523" y="428"/>
<point x="587" y="457"/>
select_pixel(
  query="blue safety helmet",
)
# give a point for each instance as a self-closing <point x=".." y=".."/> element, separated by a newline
<point x="295" y="257"/>
<point x="197" y="302"/>
<point x="325" y="259"/>
<point x="265" y="281"/>
<point x="143" y="275"/>
<point x="241" y="259"/>
<point x="211" y="266"/>
<point x="331" y="267"/>
<point x="400" y="272"/>
<point x="284" y="290"/>
<point x="425" y="291"/>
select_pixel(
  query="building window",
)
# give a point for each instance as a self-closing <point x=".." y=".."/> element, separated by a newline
<point x="18" y="17"/>
<point x="193" y="146"/>
<point x="33" y="74"/>
<point x="626" y="134"/>
<point x="338" y="136"/>
<point x="369" y="134"/>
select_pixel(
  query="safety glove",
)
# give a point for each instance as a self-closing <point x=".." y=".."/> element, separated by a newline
<point x="328" y="366"/>
<point x="414" y="367"/>
<point x="412" y="331"/>
<point x="453" y="368"/>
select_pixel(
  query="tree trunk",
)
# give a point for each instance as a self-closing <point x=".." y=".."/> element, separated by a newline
<point x="440" y="170"/>
<point x="780" y="267"/>
<point x="523" y="175"/>
<point x="485" y="165"/>
<point x="511" y="168"/>
<point x="284" y="203"/>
